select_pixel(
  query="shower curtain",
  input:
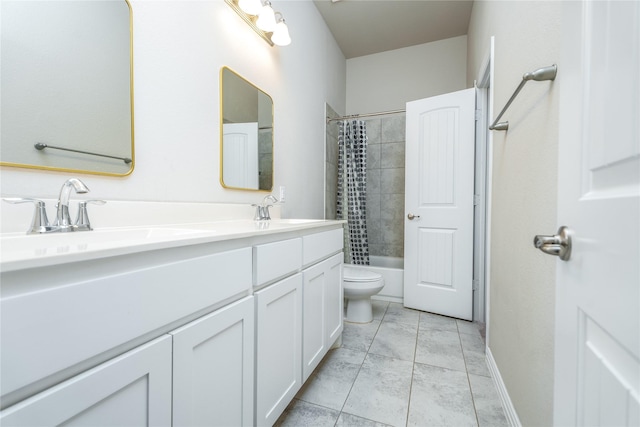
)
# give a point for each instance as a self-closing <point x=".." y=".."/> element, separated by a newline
<point x="352" y="189"/>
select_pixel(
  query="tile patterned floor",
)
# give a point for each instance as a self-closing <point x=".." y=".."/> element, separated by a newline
<point x="406" y="368"/>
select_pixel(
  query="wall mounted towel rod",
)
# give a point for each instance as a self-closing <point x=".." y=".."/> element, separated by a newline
<point x="356" y="116"/>
<point x="541" y="74"/>
<point x="41" y="146"/>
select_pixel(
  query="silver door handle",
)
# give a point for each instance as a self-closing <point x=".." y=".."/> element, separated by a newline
<point x="558" y="245"/>
<point x="412" y="216"/>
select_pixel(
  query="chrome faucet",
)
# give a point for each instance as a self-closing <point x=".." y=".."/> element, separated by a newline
<point x="40" y="223"/>
<point x="262" y="210"/>
<point x="63" y="220"/>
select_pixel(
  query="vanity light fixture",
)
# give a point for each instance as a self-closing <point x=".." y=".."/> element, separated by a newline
<point x="250" y="7"/>
<point x="266" y="18"/>
<point x="280" y="35"/>
<point x="262" y="19"/>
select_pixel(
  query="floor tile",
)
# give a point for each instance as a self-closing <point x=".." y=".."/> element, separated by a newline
<point x="331" y="382"/>
<point x="359" y="336"/>
<point x="473" y="348"/>
<point x="487" y="402"/>
<point x="435" y="321"/>
<point x="381" y="390"/>
<point x="379" y="308"/>
<point x="440" y="397"/>
<point x="440" y="348"/>
<point x="348" y="420"/>
<point x="300" y="414"/>
<point x="397" y="340"/>
<point x="444" y="380"/>
<point x="466" y="327"/>
<point x="399" y="314"/>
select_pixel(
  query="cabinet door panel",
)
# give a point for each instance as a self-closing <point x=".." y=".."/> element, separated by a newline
<point x="314" y="300"/>
<point x="132" y="389"/>
<point x="213" y="368"/>
<point x="279" y="347"/>
<point x="334" y="310"/>
<point x="322" y="311"/>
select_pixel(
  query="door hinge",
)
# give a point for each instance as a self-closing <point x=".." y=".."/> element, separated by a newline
<point x="476" y="199"/>
<point x="475" y="284"/>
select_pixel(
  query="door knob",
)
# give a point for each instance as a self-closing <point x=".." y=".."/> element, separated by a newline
<point x="558" y="244"/>
<point x="412" y="216"/>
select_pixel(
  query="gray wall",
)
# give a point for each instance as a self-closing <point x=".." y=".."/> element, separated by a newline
<point x="524" y="197"/>
<point x="387" y="80"/>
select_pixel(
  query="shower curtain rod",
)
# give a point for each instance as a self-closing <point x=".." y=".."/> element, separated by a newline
<point x="356" y="116"/>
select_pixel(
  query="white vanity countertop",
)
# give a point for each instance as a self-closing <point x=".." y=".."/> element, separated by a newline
<point x="19" y="251"/>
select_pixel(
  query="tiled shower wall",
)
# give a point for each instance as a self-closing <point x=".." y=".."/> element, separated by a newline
<point x="331" y="166"/>
<point x="385" y="185"/>
<point x="385" y="181"/>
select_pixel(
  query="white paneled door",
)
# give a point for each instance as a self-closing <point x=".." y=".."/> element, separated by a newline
<point x="240" y="155"/>
<point x="597" y="347"/>
<point x="439" y="204"/>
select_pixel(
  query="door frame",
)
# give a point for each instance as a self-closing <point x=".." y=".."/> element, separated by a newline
<point x="483" y="175"/>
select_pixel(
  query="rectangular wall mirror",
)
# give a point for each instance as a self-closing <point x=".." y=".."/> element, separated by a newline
<point x="67" y="86"/>
<point x="246" y="134"/>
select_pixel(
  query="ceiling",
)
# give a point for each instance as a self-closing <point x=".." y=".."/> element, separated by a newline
<point x="365" y="27"/>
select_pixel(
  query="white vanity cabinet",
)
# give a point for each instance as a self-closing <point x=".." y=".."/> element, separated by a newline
<point x="213" y="360"/>
<point x="212" y="330"/>
<point x="131" y="389"/>
<point x="298" y="318"/>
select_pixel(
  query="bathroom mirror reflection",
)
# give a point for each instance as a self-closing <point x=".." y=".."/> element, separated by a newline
<point x="246" y="127"/>
<point x="66" y="84"/>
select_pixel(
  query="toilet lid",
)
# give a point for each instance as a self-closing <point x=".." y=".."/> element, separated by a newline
<point x="359" y="275"/>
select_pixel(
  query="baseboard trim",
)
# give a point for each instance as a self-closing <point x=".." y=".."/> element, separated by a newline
<point x="507" y="405"/>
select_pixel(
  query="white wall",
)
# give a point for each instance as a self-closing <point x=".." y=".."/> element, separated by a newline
<point x="179" y="48"/>
<point x="386" y="81"/>
<point x="524" y="192"/>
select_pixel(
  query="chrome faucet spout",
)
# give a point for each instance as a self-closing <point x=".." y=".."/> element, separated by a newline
<point x="262" y="211"/>
<point x="63" y="219"/>
<point x="269" y="197"/>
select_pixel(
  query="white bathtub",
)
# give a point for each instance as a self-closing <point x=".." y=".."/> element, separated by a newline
<point x="392" y="270"/>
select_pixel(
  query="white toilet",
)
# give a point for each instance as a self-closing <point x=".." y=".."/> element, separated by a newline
<point x="359" y="285"/>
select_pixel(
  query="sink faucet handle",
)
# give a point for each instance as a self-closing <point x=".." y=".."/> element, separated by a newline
<point x="82" y="221"/>
<point x="40" y="222"/>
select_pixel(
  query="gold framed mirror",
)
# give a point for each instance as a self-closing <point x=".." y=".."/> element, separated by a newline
<point x="246" y="134"/>
<point x="67" y="86"/>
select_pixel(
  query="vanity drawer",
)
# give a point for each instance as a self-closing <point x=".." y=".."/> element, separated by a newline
<point x="273" y="261"/>
<point x="56" y="328"/>
<point x="321" y="245"/>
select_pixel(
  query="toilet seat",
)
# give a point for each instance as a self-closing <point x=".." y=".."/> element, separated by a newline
<point x="359" y="285"/>
<point x="358" y="275"/>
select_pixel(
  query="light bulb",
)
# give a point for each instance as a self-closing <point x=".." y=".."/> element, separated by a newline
<point x="250" y="7"/>
<point x="281" y="34"/>
<point x="267" y="18"/>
